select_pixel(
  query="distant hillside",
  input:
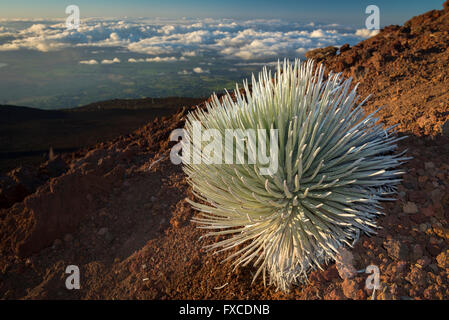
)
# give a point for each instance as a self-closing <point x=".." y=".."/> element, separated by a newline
<point x="14" y="114"/>
<point x="26" y="134"/>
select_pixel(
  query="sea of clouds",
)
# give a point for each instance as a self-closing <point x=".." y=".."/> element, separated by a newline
<point x="163" y="40"/>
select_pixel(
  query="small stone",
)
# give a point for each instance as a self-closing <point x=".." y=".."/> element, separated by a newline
<point x="349" y="288"/>
<point x="422" y="179"/>
<point x="433" y="249"/>
<point x="429" y="165"/>
<point x="396" y="249"/>
<point x="436" y="196"/>
<point x="108" y="237"/>
<point x="443" y="259"/>
<point x="435" y="241"/>
<point x="345" y="47"/>
<point x="417" y="252"/>
<point x="428" y="211"/>
<point x="57" y="243"/>
<point x="423" y="262"/>
<point x="103" y="231"/>
<point x="410" y="207"/>
<point x="433" y="267"/>
<point x="68" y="237"/>
<point x="416" y="276"/>
<point x="423" y="227"/>
<point x="345" y="264"/>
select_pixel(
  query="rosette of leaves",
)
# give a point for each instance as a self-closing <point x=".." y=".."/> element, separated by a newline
<point x="335" y="166"/>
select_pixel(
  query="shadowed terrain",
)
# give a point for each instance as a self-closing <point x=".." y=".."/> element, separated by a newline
<point x="27" y="134"/>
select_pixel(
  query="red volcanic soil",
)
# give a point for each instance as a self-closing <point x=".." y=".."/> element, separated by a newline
<point x="119" y="210"/>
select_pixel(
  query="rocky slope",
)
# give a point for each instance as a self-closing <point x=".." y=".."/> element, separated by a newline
<point x="119" y="210"/>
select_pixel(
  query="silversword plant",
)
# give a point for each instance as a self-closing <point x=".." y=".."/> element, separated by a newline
<point x="335" y="165"/>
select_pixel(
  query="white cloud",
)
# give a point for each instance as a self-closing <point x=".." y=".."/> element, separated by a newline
<point x="189" y="53"/>
<point x="33" y="44"/>
<point x="38" y="37"/>
<point x="159" y="59"/>
<point x="167" y="29"/>
<point x="93" y="61"/>
<point x="115" y="60"/>
<point x="200" y="70"/>
<point x="155" y="59"/>
<point x="366" y="33"/>
<point x="251" y="44"/>
<point x="36" y="29"/>
<point x="184" y="72"/>
<point x="317" y="34"/>
<point x="148" y="46"/>
<point x="114" y="36"/>
<point x="244" y="40"/>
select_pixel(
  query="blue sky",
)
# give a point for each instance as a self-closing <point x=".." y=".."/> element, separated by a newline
<point x="342" y="12"/>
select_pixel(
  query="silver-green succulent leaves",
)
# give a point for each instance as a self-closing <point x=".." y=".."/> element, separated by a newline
<point x="335" y="165"/>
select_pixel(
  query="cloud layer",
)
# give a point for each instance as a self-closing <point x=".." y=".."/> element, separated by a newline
<point x="169" y="41"/>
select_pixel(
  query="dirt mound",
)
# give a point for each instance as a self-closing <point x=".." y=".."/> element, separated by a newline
<point x="119" y="211"/>
<point x="23" y="181"/>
